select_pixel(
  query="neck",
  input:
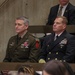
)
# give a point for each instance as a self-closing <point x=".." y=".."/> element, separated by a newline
<point x="59" y="32"/>
<point x="22" y="33"/>
<point x="64" y="4"/>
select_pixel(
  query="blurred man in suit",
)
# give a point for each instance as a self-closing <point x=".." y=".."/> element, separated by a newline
<point x="68" y="10"/>
<point x="23" y="46"/>
<point x="59" y="45"/>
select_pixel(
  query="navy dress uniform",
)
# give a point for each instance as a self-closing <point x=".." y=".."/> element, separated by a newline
<point x="62" y="49"/>
<point x="25" y="50"/>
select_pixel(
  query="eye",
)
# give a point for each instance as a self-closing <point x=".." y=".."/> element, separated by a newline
<point x="58" y="23"/>
<point x="18" y="24"/>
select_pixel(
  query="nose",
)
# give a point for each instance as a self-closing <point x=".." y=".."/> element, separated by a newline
<point x="16" y="25"/>
<point x="54" y="24"/>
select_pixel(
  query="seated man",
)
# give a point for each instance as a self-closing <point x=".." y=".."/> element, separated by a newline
<point x="22" y="47"/>
<point x="59" y="45"/>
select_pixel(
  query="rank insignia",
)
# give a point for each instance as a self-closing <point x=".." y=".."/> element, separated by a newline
<point x="25" y="44"/>
<point x="64" y="41"/>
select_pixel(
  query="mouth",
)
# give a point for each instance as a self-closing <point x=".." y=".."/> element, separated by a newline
<point x="54" y="28"/>
<point x="17" y="29"/>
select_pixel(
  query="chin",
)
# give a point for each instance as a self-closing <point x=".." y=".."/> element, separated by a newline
<point x="64" y="3"/>
<point x="54" y="30"/>
<point x="17" y="32"/>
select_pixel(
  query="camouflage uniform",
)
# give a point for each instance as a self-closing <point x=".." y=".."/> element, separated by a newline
<point x="27" y="50"/>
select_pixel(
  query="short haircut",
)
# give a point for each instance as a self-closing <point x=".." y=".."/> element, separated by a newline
<point x="26" y="69"/>
<point x="55" y="67"/>
<point x="65" y="21"/>
<point x="68" y="67"/>
<point x="25" y="19"/>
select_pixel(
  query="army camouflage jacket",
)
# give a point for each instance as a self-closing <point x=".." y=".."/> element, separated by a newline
<point x="27" y="50"/>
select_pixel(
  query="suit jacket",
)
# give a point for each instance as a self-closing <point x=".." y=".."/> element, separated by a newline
<point x="25" y="51"/>
<point x="69" y="14"/>
<point x="62" y="49"/>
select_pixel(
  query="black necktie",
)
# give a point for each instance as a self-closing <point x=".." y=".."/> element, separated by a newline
<point x="18" y="39"/>
<point x="60" y="11"/>
<point x="57" y="37"/>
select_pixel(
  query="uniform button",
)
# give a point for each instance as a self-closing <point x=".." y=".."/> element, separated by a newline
<point x="64" y="60"/>
<point x="49" y="52"/>
<point x="56" y="52"/>
<point x="48" y="45"/>
<point x="56" y="59"/>
<point x="60" y="60"/>
<point x="48" y="58"/>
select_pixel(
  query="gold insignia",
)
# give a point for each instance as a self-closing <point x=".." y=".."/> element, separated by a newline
<point x="49" y="52"/>
<point x="56" y="52"/>
<point x="48" y="58"/>
<point x="56" y="59"/>
<point x="64" y="60"/>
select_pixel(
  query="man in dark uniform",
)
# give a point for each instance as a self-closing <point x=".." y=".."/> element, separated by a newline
<point x="22" y="47"/>
<point x="59" y="48"/>
<point x="68" y="10"/>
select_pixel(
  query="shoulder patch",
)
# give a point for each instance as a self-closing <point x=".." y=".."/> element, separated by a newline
<point x="37" y="45"/>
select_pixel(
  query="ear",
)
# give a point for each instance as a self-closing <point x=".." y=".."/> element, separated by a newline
<point x="64" y="26"/>
<point x="26" y="26"/>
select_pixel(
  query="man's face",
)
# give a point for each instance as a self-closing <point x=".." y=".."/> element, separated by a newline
<point x="63" y="2"/>
<point x="58" y="25"/>
<point x="20" y="27"/>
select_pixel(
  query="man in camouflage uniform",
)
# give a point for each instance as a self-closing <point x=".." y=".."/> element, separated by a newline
<point x="22" y="47"/>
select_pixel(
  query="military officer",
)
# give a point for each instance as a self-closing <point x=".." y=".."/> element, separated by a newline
<point x="22" y="47"/>
<point x="59" y="48"/>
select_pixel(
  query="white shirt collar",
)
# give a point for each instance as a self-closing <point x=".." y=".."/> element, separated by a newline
<point x="63" y="9"/>
<point x="58" y="34"/>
